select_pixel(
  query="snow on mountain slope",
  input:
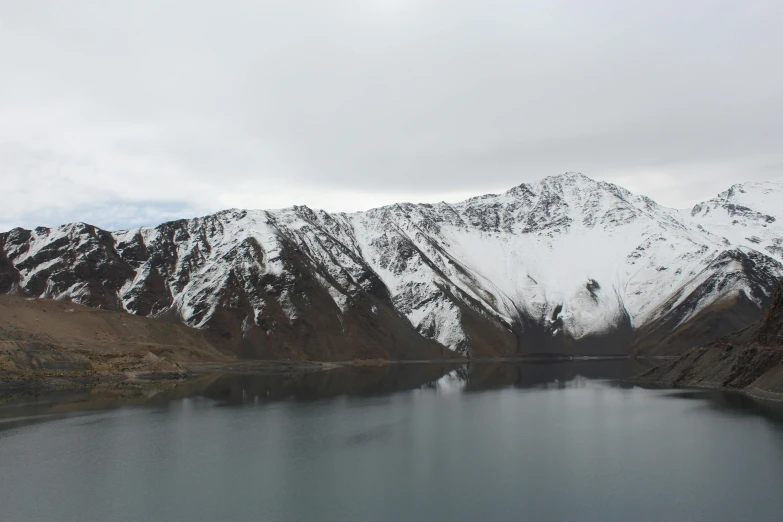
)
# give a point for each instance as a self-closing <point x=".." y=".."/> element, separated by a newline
<point x="576" y="257"/>
<point x="564" y="265"/>
<point x="747" y="214"/>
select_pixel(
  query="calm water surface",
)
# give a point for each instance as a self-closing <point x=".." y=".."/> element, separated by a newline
<point x="538" y="442"/>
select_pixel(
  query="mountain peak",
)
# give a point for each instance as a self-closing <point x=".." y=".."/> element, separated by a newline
<point x="557" y="180"/>
<point x="568" y="178"/>
<point x="570" y="175"/>
<point x="565" y="264"/>
<point x="760" y="199"/>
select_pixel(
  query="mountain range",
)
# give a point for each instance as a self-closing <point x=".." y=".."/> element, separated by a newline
<point x="563" y="266"/>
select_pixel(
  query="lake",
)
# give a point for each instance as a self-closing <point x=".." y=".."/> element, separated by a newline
<point x="535" y="441"/>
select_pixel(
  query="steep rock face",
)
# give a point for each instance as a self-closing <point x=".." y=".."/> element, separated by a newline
<point x="771" y="330"/>
<point x="750" y="360"/>
<point x="566" y="265"/>
<point x="727" y="296"/>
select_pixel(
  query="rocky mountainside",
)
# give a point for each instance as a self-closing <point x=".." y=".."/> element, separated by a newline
<point x="750" y="360"/>
<point x="567" y="265"/>
<point x="56" y="344"/>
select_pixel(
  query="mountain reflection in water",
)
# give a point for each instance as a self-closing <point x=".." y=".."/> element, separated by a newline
<point x="349" y="380"/>
<point x="236" y="388"/>
<point x="532" y="440"/>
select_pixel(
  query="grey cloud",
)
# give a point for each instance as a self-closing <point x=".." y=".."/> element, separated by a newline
<point x="379" y="96"/>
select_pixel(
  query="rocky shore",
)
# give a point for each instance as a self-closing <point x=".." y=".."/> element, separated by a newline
<point x="750" y="361"/>
<point x="47" y="344"/>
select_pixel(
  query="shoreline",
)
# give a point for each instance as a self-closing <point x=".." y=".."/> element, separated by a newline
<point x="755" y="371"/>
<point x="50" y="380"/>
<point x="750" y="392"/>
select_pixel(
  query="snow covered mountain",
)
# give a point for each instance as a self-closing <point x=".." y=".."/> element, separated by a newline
<point x="564" y="265"/>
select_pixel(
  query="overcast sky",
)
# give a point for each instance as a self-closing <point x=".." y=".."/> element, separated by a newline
<point x="122" y="113"/>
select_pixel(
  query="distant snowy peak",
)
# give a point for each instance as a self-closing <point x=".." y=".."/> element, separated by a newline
<point x="762" y="196"/>
<point x="563" y="265"/>
<point x="747" y="214"/>
<point x="758" y="201"/>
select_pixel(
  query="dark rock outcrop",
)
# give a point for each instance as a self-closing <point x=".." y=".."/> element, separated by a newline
<point x="750" y="360"/>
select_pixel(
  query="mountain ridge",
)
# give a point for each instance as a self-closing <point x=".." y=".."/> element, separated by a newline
<point x="565" y="265"/>
<point x="748" y="360"/>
